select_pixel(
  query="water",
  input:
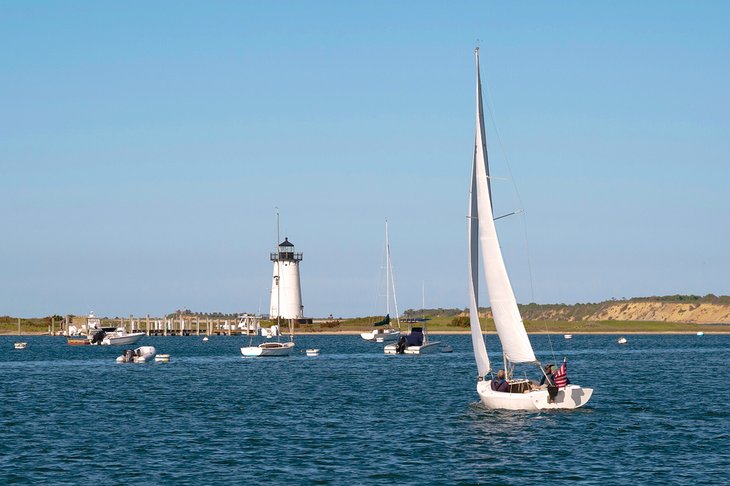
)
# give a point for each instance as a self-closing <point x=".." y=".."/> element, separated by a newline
<point x="71" y="415"/>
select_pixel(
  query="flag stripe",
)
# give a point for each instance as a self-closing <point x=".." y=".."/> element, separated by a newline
<point x="561" y="376"/>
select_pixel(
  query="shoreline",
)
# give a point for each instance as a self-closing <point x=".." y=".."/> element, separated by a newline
<point x="439" y="333"/>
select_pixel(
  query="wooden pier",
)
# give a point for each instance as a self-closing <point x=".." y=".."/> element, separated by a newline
<point x="244" y="325"/>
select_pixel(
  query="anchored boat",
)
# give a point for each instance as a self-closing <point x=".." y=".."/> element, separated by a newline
<point x="383" y="330"/>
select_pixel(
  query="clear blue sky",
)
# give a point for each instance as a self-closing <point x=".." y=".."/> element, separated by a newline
<point x="144" y="146"/>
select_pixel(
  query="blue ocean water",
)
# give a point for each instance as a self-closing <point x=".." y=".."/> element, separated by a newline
<point x="71" y="415"/>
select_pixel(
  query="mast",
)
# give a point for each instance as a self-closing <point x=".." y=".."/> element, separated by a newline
<point x="392" y="277"/>
<point x="278" y="279"/>
<point x="507" y="318"/>
<point x="477" y="338"/>
<point x="387" y="270"/>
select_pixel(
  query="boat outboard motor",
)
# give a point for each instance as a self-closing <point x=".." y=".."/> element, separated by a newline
<point x="98" y="337"/>
<point x="401" y="346"/>
<point x="128" y="355"/>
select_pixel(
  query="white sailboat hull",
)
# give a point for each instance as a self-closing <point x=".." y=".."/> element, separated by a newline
<point x="380" y="335"/>
<point x="424" y="349"/>
<point x="268" y="349"/>
<point x="429" y="348"/>
<point x="570" y="397"/>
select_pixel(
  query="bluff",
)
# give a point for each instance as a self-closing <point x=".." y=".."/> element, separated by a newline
<point x="672" y="308"/>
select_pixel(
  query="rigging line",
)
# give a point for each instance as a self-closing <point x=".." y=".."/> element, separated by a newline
<point x="490" y="108"/>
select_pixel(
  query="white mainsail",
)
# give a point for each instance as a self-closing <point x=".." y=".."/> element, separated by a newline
<point x="510" y="328"/>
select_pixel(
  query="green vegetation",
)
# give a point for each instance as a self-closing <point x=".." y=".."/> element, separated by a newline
<point x="553" y="318"/>
<point x="9" y="325"/>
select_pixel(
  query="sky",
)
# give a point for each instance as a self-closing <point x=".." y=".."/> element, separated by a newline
<point x="145" y="147"/>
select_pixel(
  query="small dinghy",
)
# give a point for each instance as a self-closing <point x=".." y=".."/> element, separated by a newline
<point x="700" y="333"/>
<point x="312" y="352"/>
<point x="205" y="339"/>
<point x="20" y="345"/>
<point x="140" y="355"/>
<point x="622" y="340"/>
<point x="568" y="336"/>
<point x="162" y="358"/>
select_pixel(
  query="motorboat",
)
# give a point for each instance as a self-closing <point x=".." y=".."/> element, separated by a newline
<point x="568" y="336"/>
<point x="622" y="340"/>
<point x="141" y="354"/>
<point x="415" y="342"/>
<point x="120" y="337"/>
<point x="312" y="352"/>
<point x="162" y="358"/>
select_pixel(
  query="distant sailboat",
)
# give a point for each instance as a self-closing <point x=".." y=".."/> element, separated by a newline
<point x="274" y="348"/>
<point x="20" y="344"/>
<point x="520" y="394"/>
<point x="383" y="330"/>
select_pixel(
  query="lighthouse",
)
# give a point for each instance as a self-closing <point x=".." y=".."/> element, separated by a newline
<point x="286" y="291"/>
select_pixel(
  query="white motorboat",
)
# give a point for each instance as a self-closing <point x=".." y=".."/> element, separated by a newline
<point x="142" y="354"/>
<point x="622" y="340"/>
<point x="520" y="394"/>
<point x="120" y="337"/>
<point x="568" y="336"/>
<point x="380" y="332"/>
<point x="415" y="342"/>
<point x="700" y="333"/>
<point x="162" y="358"/>
<point x="312" y="352"/>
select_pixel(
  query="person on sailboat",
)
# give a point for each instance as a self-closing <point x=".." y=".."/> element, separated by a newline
<point x="548" y="374"/>
<point x="500" y="384"/>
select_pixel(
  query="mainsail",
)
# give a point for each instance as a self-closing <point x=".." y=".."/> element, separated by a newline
<point x="507" y="319"/>
<point x="384" y="322"/>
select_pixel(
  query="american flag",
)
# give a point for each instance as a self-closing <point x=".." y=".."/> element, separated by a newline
<point x="561" y="376"/>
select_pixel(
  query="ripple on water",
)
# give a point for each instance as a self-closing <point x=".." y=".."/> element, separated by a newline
<point x="352" y="415"/>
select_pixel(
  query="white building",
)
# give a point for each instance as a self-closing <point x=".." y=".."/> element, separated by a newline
<point x="286" y="291"/>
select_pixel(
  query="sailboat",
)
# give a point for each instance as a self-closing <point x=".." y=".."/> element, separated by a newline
<point x="380" y="332"/>
<point x="274" y="348"/>
<point x="20" y="344"/>
<point x="521" y="394"/>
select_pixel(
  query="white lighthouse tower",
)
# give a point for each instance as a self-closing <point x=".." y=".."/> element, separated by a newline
<point x="286" y="291"/>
